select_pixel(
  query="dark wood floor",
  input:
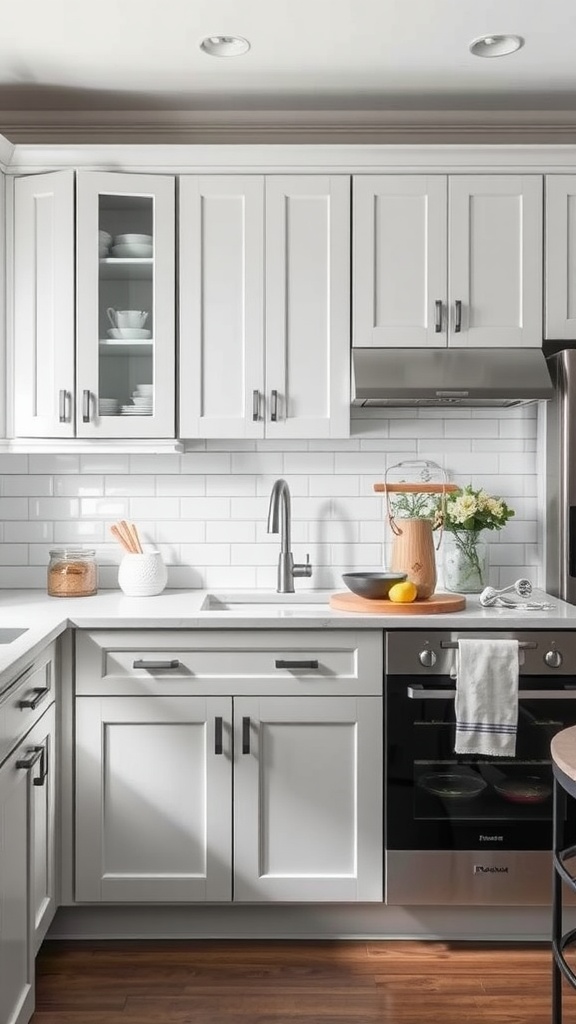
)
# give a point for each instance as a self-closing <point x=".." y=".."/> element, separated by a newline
<point x="358" y="982"/>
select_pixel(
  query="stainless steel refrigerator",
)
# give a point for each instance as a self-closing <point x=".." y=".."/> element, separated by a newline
<point x="560" y="553"/>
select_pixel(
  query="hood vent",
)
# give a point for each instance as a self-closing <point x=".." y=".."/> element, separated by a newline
<point x="449" y="377"/>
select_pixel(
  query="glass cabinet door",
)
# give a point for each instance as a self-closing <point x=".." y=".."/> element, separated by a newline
<point x="125" y="307"/>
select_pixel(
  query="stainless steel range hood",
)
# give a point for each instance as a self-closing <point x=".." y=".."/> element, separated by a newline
<point x="449" y="377"/>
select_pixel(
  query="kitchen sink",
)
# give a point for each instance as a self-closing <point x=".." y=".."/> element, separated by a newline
<point x="261" y="603"/>
<point x="8" y="635"/>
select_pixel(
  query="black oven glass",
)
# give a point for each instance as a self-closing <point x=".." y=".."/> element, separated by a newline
<point x="439" y="800"/>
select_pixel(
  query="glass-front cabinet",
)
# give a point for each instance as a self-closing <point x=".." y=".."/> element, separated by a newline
<point x="108" y="371"/>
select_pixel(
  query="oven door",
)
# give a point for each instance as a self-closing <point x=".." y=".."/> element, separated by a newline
<point x="464" y="825"/>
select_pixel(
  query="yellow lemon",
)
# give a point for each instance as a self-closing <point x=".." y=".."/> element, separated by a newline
<point x="402" y="593"/>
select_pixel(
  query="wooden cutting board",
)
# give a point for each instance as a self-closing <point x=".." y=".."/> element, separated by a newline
<point x="434" y="605"/>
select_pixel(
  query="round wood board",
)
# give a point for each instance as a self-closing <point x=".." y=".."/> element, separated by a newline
<point x="434" y="605"/>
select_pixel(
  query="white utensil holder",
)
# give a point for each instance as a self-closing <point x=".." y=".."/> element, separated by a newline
<point x="142" y="575"/>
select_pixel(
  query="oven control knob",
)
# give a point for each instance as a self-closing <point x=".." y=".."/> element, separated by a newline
<point x="427" y="658"/>
<point x="553" y="659"/>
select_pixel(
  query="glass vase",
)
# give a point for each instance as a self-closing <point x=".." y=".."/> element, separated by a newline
<point x="465" y="562"/>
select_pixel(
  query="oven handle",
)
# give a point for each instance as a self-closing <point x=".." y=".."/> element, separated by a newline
<point x="419" y="692"/>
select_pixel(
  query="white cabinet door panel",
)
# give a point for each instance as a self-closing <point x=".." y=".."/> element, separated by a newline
<point x="308" y="799"/>
<point x="152" y="794"/>
<point x="44" y="275"/>
<point x="44" y="896"/>
<point x="495" y="263"/>
<point x="560" y="257"/>
<point x="16" y="957"/>
<point x="399" y="261"/>
<point x="307" y="306"/>
<point x="221" y="306"/>
<point x="102" y="369"/>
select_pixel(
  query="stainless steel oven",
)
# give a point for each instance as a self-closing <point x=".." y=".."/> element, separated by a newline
<point x="470" y="829"/>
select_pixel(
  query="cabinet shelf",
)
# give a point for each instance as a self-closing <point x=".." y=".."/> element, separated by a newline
<point x="131" y="268"/>
<point x="125" y="348"/>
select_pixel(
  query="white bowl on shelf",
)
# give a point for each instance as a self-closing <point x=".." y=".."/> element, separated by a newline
<point x="144" y="389"/>
<point x="132" y="251"/>
<point x="129" y="333"/>
<point x="104" y="238"/>
<point x="133" y="240"/>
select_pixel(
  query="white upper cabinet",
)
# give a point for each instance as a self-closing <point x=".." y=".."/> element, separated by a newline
<point x="264" y="303"/>
<point x="94" y="330"/>
<point x="560" y="257"/>
<point x="447" y="260"/>
<point x="44" y="311"/>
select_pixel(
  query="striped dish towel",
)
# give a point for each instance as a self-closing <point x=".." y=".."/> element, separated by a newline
<point x="487" y="697"/>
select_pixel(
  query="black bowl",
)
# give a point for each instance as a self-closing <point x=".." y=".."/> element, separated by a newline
<point x="372" y="585"/>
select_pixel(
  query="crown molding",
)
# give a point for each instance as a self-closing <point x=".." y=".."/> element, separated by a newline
<point x="281" y="127"/>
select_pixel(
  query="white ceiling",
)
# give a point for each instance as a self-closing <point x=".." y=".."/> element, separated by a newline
<point x="305" y="55"/>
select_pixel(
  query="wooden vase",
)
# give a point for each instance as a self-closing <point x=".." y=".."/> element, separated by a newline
<point x="413" y="553"/>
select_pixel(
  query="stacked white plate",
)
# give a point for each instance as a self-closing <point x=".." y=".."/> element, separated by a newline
<point x="108" y="406"/>
<point x="144" y="389"/>
<point x="133" y="246"/>
<point x="135" y="410"/>
<point x="129" y="333"/>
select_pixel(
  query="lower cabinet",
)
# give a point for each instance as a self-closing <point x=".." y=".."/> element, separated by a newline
<point x="228" y="796"/>
<point x="27" y="834"/>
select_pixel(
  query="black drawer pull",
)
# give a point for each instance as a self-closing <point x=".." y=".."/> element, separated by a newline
<point x="141" y="663"/>
<point x="280" y="663"/>
<point x="29" y="761"/>
<point x="246" y="735"/>
<point x="218" y="735"/>
<point x="41" y="779"/>
<point x="33" y="702"/>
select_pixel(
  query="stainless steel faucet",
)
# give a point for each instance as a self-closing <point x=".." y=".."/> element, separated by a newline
<point x="279" y="518"/>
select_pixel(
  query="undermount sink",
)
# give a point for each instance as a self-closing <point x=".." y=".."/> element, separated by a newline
<point x="262" y="602"/>
<point x="8" y="635"/>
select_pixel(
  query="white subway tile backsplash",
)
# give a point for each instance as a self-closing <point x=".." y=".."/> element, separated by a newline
<point x="230" y="532"/>
<point x="207" y="509"/>
<point x="17" y="486"/>
<point x="73" y="486"/>
<point x="178" y="485"/>
<point x="153" y="508"/>
<point x="28" y="531"/>
<point x="185" y="531"/>
<point x="207" y="554"/>
<point x="203" y="462"/>
<point x="83" y="531"/>
<point x="156" y="464"/>
<point x="14" y="554"/>
<point x="238" y="485"/>
<point x="132" y="485"/>
<point x="256" y="462"/>
<point x="309" y="462"/>
<point x="63" y="463"/>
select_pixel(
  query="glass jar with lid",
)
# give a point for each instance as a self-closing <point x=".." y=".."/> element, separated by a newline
<point x="72" y="572"/>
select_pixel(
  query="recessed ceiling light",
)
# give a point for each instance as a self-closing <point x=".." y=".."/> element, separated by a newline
<point x="495" y="46"/>
<point x="225" y="46"/>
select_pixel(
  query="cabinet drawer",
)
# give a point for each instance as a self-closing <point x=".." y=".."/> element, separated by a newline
<point x="131" y="662"/>
<point x="26" y="700"/>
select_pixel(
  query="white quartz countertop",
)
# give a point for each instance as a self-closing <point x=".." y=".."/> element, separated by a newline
<point x="44" y="618"/>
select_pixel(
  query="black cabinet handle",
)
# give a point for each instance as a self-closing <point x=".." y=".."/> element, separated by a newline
<point x="142" y="663"/>
<point x="33" y="702"/>
<point x="458" y="321"/>
<point x="280" y="663"/>
<point x="246" y="735"/>
<point x="32" y="758"/>
<point x="218" y="735"/>
<point x="41" y="779"/>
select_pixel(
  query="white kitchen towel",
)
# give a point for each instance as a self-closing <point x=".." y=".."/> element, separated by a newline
<point x="487" y="697"/>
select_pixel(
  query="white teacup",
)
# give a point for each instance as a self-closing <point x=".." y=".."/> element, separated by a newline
<point x="133" y="318"/>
